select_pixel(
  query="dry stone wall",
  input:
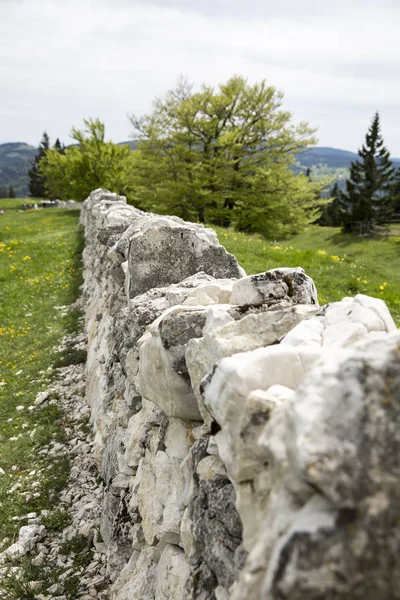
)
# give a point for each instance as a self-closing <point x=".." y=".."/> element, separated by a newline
<point x="248" y="438"/>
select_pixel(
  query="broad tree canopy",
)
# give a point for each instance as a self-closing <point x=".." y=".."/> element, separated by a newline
<point x="76" y="171"/>
<point x="223" y="156"/>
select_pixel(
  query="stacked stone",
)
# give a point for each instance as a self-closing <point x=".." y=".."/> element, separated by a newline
<point x="248" y="438"/>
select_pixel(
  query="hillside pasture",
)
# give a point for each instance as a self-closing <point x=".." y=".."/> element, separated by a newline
<point x="40" y="255"/>
<point x="340" y="264"/>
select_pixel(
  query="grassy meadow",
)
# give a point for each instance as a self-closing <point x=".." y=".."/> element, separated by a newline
<point x="40" y="258"/>
<point x="340" y="264"/>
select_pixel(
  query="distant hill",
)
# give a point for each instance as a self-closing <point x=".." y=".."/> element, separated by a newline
<point x="16" y="159"/>
<point x="331" y="163"/>
<point x="331" y="157"/>
<point x="132" y="143"/>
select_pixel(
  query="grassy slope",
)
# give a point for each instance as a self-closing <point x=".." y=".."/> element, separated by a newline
<point x="40" y="254"/>
<point x="341" y="265"/>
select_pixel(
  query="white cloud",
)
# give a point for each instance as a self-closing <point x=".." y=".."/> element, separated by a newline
<point x="60" y="62"/>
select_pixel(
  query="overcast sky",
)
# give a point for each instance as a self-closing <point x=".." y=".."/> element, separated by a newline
<point x="336" y="62"/>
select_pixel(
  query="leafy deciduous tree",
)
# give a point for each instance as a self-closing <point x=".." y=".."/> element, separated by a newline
<point x="224" y="156"/>
<point x="93" y="163"/>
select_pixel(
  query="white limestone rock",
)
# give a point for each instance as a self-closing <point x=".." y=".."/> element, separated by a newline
<point x="137" y="432"/>
<point x="255" y="475"/>
<point x="143" y="310"/>
<point x="276" y="285"/>
<point x="162" y="255"/>
<point x="172" y="574"/>
<point x="138" y="577"/>
<point x="173" y="359"/>
<point x="162" y="371"/>
<point x="218" y="291"/>
<point x="160" y="383"/>
<point x="178" y="438"/>
<point x="224" y="336"/>
<point x="159" y="488"/>
<point x="226" y="390"/>
<point x="332" y="521"/>
<point x="28" y="537"/>
<point x="209" y="467"/>
<point x="343" y="323"/>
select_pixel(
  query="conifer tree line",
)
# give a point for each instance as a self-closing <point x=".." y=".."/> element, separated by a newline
<point x="222" y="156"/>
<point x="372" y="192"/>
<point x="37" y="187"/>
<point x="7" y="192"/>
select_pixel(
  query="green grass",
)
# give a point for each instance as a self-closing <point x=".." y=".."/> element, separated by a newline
<point x="340" y="264"/>
<point x="40" y="270"/>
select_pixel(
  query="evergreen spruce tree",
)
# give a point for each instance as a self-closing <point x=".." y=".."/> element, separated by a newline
<point x="36" y="183"/>
<point x="396" y="194"/>
<point x="369" y="189"/>
<point x="59" y="147"/>
<point x="332" y="215"/>
<point x="11" y="193"/>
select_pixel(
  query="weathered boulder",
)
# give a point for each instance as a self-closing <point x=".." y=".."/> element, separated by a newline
<point x="172" y="574"/>
<point x="138" y="578"/>
<point x="162" y="373"/>
<point x="119" y="252"/>
<point x="332" y="524"/>
<point x="343" y="323"/>
<point x="275" y="286"/>
<point x="241" y="391"/>
<point x="162" y="255"/>
<point x="216" y="537"/>
<point x="228" y="332"/>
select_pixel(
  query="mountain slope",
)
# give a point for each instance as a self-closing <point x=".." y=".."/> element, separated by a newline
<point x="15" y="161"/>
<point x="331" y="157"/>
